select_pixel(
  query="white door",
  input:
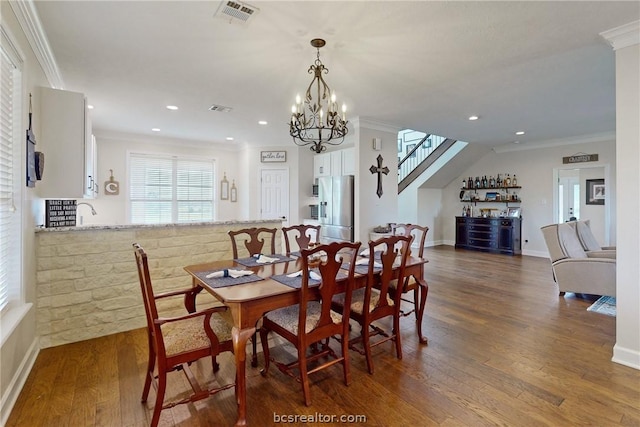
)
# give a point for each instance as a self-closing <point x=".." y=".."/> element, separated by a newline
<point x="568" y="195"/>
<point x="274" y="194"/>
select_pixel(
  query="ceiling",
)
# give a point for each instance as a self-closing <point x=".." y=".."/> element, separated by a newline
<point x="539" y="67"/>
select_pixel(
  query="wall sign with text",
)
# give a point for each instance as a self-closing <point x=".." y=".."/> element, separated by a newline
<point x="60" y="213"/>
<point x="580" y="158"/>
<point x="273" y="156"/>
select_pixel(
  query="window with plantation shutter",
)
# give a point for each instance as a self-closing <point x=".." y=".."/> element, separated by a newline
<point x="10" y="188"/>
<point x="169" y="189"/>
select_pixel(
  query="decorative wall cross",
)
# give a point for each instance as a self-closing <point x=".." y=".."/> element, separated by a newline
<point x="379" y="170"/>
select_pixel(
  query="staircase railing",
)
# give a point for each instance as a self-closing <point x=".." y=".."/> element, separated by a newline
<point x="415" y="156"/>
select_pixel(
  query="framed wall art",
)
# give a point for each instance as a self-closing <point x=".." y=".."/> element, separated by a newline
<point x="234" y="192"/>
<point x="595" y="192"/>
<point x="224" y="188"/>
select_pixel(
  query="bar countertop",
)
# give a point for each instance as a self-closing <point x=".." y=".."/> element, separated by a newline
<point x="136" y="226"/>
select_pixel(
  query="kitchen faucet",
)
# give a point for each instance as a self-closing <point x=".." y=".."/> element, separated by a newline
<point x="93" y="211"/>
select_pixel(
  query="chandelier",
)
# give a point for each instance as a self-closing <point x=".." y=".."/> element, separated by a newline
<point x="316" y="121"/>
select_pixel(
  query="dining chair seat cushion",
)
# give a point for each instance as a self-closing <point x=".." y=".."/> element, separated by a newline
<point x="357" y="300"/>
<point x="409" y="282"/>
<point x="287" y="317"/>
<point x="189" y="334"/>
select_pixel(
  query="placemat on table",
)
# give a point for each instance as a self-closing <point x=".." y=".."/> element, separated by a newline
<point x="361" y="269"/>
<point x="252" y="261"/>
<point x="220" y="282"/>
<point x="296" y="282"/>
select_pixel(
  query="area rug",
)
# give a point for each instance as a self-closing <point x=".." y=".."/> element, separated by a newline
<point x="604" y="305"/>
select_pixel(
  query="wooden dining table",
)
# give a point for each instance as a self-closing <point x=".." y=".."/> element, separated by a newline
<point x="248" y="302"/>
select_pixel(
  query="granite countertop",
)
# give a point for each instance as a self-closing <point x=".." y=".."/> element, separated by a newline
<point x="131" y="226"/>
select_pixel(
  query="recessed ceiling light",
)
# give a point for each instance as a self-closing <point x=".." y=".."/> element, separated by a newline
<point x="516" y="142"/>
<point x="90" y="107"/>
<point x="171" y="107"/>
<point x="229" y="138"/>
<point x="262" y="122"/>
<point x="473" y="117"/>
<point x="520" y="132"/>
<point x="155" y="129"/>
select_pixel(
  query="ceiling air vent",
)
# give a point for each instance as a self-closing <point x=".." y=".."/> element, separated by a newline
<point x="236" y="12"/>
<point x="220" y="108"/>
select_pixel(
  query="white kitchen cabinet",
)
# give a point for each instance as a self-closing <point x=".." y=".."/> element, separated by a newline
<point x="322" y="165"/>
<point x="336" y="163"/>
<point x="349" y="161"/>
<point x="69" y="150"/>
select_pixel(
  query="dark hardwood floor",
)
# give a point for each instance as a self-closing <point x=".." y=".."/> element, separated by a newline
<point x="504" y="349"/>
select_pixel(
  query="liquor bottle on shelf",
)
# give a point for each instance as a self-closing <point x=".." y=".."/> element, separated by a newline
<point x="514" y="181"/>
<point x="499" y="181"/>
<point x="507" y="181"/>
<point x="470" y="184"/>
<point x="477" y="182"/>
<point x="492" y="182"/>
<point x="464" y="183"/>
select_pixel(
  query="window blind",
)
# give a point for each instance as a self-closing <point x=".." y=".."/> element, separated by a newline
<point x="167" y="189"/>
<point x="9" y="187"/>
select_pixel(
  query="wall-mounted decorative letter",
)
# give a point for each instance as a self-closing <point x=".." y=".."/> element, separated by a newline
<point x="111" y="187"/>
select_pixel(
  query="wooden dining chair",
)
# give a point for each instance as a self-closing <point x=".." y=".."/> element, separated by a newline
<point x="254" y="240"/>
<point x="419" y="235"/>
<point x="303" y="235"/>
<point x="374" y="302"/>
<point x="312" y="320"/>
<point x="176" y="342"/>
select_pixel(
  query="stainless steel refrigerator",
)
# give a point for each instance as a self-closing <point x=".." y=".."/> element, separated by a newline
<point x="335" y="196"/>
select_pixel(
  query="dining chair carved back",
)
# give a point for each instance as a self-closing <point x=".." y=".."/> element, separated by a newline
<point x="419" y="234"/>
<point x="376" y="301"/>
<point x="254" y="240"/>
<point x="303" y="235"/>
<point x="176" y="342"/>
<point x="312" y="321"/>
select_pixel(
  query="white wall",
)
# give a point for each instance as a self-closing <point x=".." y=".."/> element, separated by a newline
<point x="534" y="169"/>
<point x="372" y="211"/>
<point x="19" y="344"/>
<point x="113" y="152"/>
<point x="627" y="348"/>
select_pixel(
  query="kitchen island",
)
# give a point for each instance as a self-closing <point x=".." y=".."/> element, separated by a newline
<point x="87" y="282"/>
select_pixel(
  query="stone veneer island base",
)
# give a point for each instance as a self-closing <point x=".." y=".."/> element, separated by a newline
<point x="87" y="281"/>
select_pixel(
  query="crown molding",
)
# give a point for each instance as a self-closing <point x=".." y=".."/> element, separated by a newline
<point x="29" y="21"/>
<point x="623" y="36"/>
<point x="599" y="137"/>
<point x="363" y="122"/>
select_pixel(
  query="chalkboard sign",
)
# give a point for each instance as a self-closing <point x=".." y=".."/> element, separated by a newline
<point x="60" y="213"/>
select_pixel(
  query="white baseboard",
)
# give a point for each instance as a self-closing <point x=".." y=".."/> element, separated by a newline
<point x="17" y="382"/>
<point x="539" y="254"/>
<point x="626" y="357"/>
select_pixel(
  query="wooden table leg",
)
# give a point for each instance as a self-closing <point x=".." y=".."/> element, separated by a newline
<point x="424" y="289"/>
<point x="240" y="337"/>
